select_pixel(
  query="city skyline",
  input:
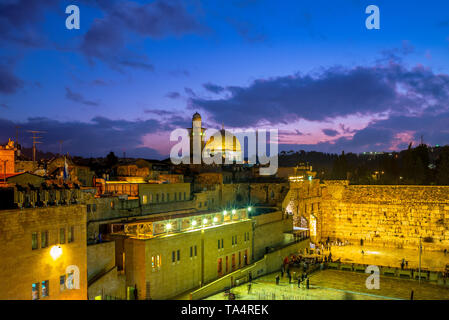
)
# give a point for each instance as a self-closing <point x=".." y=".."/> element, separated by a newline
<point x="135" y="71"/>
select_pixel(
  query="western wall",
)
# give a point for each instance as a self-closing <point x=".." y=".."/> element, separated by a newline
<point x="385" y="215"/>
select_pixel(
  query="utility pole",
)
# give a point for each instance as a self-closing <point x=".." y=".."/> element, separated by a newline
<point x="35" y="141"/>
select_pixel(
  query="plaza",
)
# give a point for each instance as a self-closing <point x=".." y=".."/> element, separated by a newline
<point x="336" y="285"/>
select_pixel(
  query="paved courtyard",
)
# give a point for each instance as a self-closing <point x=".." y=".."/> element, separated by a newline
<point x="383" y="256"/>
<point x="337" y="285"/>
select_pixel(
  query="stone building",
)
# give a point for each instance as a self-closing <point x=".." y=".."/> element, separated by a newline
<point x="43" y="253"/>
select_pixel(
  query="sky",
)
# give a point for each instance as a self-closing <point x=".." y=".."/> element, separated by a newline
<point x="136" y="70"/>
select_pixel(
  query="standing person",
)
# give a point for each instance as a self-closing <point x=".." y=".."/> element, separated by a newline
<point x="249" y="287"/>
<point x="250" y="277"/>
<point x="411" y="295"/>
<point x="406" y="264"/>
<point x="361" y="242"/>
<point x="307" y="283"/>
<point x="277" y="280"/>
<point x="299" y="282"/>
<point x="289" y="278"/>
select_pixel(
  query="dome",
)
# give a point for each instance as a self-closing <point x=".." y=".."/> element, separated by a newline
<point x="196" y="116"/>
<point x="225" y="143"/>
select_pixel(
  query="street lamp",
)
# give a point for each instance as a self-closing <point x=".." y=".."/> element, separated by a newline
<point x="55" y="252"/>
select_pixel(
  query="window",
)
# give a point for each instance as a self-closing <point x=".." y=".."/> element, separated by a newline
<point x="157" y="197"/>
<point x="180" y="196"/>
<point x="168" y="197"/>
<point x="195" y="251"/>
<point x="61" y="235"/>
<point x="112" y="205"/>
<point x="62" y="283"/>
<point x="176" y="196"/>
<point x="88" y="208"/>
<point x="158" y="261"/>
<point x="219" y="244"/>
<point x="34" y="241"/>
<point x="35" y="291"/>
<point x="220" y="266"/>
<point x="71" y="237"/>
<point x="205" y="203"/>
<point x="191" y="252"/>
<point x="151" y="197"/>
<point x="178" y="253"/>
<point x="153" y="261"/>
<point x="200" y="205"/>
<point x="173" y="256"/>
<point x="184" y="195"/>
<point x="222" y="244"/>
<point x="45" y="289"/>
<point x="144" y="199"/>
<point x="44" y="239"/>
<point x="94" y="207"/>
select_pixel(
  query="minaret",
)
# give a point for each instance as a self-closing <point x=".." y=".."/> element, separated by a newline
<point x="196" y="145"/>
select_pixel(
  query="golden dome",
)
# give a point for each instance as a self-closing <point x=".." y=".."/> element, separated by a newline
<point x="225" y="143"/>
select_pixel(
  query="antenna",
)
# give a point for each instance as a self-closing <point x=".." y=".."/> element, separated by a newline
<point x="60" y="147"/>
<point x="17" y="135"/>
<point x="34" y="137"/>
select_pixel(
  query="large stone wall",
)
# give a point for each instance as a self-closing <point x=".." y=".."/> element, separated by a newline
<point x="386" y="215"/>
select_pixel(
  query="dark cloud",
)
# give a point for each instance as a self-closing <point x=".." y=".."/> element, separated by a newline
<point x="4" y="106"/>
<point x="106" y="40"/>
<point x="19" y="21"/>
<point x="247" y="30"/>
<point x="77" y="97"/>
<point x="330" y="132"/>
<point x="95" y="138"/>
<point x="173" y="95"/>
<point x="213" y="88"/>
<point x="331" y="93"/>
<point x="9" y="83"/>
<point x="190" y="92"/>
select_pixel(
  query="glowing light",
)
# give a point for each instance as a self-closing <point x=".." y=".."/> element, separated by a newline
<point x="215" y="219"/>
<point x="310" y="178"/>
<point x="204" y="221"/>
<point x="249" y="209"/>
<point x="233" y="211"/>
<point x="194" y="223"/>
<point x="168" y="226"/>
<point x="55" y="252"/>
<point x="225" y="212"/>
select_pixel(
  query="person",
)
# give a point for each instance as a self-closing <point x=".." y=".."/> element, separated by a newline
<point x="411" y="295"/>
<point x="249" y="287"/>
<point x="277" y="279"/>
<point x="289" y="278"/>
<point x="250" y="277"/>
<point x="307" y="283"/>
<point x="330" y="257"/>
<point x="363" y="253"/>
<point x="361" y="242"/>
<point x="299" y="282"/>
<point x="445" y="251"/>
<point x="406" y="264"/>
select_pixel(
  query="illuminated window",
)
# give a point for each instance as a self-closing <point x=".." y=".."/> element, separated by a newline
<point x="71" y="280"/>
<point x="45" y="289"/>
<point x="34" y="241"/>
<point x="144" y="199"/>
<point x="35" y="291"/>
<point x="112" y="205"/>
<point x="158" y="261"/>
<point x="151" y="197"/>
<point x="62" y="286"/>
<point x="153" y="262"/>
<point x="44" y="239"/>
<point x="71" y="237"/>
<point x="220" y="266"/>
<point x="61" y="235"/>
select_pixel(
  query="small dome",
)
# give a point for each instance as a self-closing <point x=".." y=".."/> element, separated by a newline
<point x="196" y="116"/>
